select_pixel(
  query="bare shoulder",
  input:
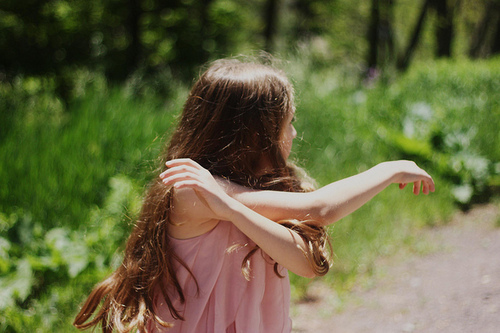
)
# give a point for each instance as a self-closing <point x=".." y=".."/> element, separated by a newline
<point x="189" y="216"/>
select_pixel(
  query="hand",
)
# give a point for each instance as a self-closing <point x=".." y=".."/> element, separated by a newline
<point x="187" y="174"/>
<point x="408" y="172"/>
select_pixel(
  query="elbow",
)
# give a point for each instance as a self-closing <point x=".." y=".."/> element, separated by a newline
<point x="309" y="274"/>
<point x="306" y="268"/>
<point x="316" y="209"/>
<point x="309" y="268"/>
<point x="324" y="213"/>
<point x="329" y="215"/>
<point x="313" y="270"/>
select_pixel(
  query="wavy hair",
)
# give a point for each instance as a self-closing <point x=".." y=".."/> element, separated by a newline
<point x="231" y="121"/>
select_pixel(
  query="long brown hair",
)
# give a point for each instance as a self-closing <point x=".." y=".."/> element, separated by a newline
<point x="231" y="121"/>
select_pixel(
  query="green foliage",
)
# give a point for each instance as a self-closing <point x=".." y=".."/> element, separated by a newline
<point x="73" y="174"/>
<point x="67" y="173"/>
<point x="443" y="115"/>
<point x="39" y="266"/>
<point x="455" y="112"/>
<point x="53" y="156"/>
<point x="117" y="37"/>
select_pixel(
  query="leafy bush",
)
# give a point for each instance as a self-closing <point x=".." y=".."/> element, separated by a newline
<point x="453" y="112"/>
<point x="70" y="177"/>
<point x="443" y="115"/>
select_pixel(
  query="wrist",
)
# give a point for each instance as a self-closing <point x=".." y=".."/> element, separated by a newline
<point x="233" y="209"/>
<point x="389" y="171"/>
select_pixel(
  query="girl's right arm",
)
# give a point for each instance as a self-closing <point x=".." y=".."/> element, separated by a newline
<point x="208" y="202"/>
<point x="336" y="200"/>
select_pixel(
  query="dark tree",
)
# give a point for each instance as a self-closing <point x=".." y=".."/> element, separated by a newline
<point x="405" y="58"/>
<point x="380" y="34"/>
<point x="122" y="38"/>
<point x="373" y="35"/>
<point x="271" y="22"/>
<point x="307" y="23"/>
<point x="485" y="39"/>
<point x="444" y="27"/>
<point x="495" y="48"/>
<point x="134" y="48"/>
<point x="40" y="43"/>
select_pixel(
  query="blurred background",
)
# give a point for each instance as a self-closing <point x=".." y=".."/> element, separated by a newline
<point x="90" y="90"/>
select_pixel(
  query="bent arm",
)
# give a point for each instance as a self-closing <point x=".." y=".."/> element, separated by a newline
<point x="192" y="182"/>
<point x="336" y="200"/>
<point x="285" y="246"/>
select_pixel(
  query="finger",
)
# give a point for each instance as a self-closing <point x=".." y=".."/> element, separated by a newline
<point x="189" y="183"/>
<point x="416" y="187"/>
<point x="402" y="186"/>
<point x="178" y="169"/>
<point x="429" y="182"/>
<point x="183" y="161"/>
<point x="172" y="180"/>
<point x="432" y="186"/>
<point x="425" y="187"/>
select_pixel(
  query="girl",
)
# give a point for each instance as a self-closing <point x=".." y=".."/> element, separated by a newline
<point x="205" y="254"/>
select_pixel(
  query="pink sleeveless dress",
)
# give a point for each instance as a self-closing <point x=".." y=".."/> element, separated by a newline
<point x="226" y="302"/>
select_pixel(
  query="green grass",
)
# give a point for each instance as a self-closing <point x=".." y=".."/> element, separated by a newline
<point x="72" y="175"/>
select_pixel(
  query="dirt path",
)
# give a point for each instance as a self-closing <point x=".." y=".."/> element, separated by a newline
<point x="455" y="288"/>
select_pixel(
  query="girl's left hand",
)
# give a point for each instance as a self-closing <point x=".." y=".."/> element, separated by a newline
<point x="185" y="173"/>
<point x="405" y="172"/>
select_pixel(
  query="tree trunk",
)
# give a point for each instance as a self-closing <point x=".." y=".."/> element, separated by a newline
<point x="404" y="60"/>
<point x="444" y="28"/>
<point x="495" y="48"/>
<point x="305" y="25"/>
<point x="271" y="19"/>
<point x="132" y="24"/>
<point x="380" y="35"/>
<point x="373" y="35"/>
<point x="204" y="30"/>
<point x="479" y="41"/>
<point x="386" y="31"/>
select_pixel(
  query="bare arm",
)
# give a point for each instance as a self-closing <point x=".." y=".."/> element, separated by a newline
<point x="192" y="181"/>
<point x="336" y="200"/>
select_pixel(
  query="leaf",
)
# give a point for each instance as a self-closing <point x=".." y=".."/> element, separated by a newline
<point x="463" y="193"/>
<point x="77" y="259"/>
<point x="4" y="254"/>
<point x="16" y="285"/>
<point x="410" y="146"/>
<point x="68" y="250"/>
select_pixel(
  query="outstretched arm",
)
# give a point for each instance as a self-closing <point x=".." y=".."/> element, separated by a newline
<point x="336" y="200"/>
<point x="192" y="181"/>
